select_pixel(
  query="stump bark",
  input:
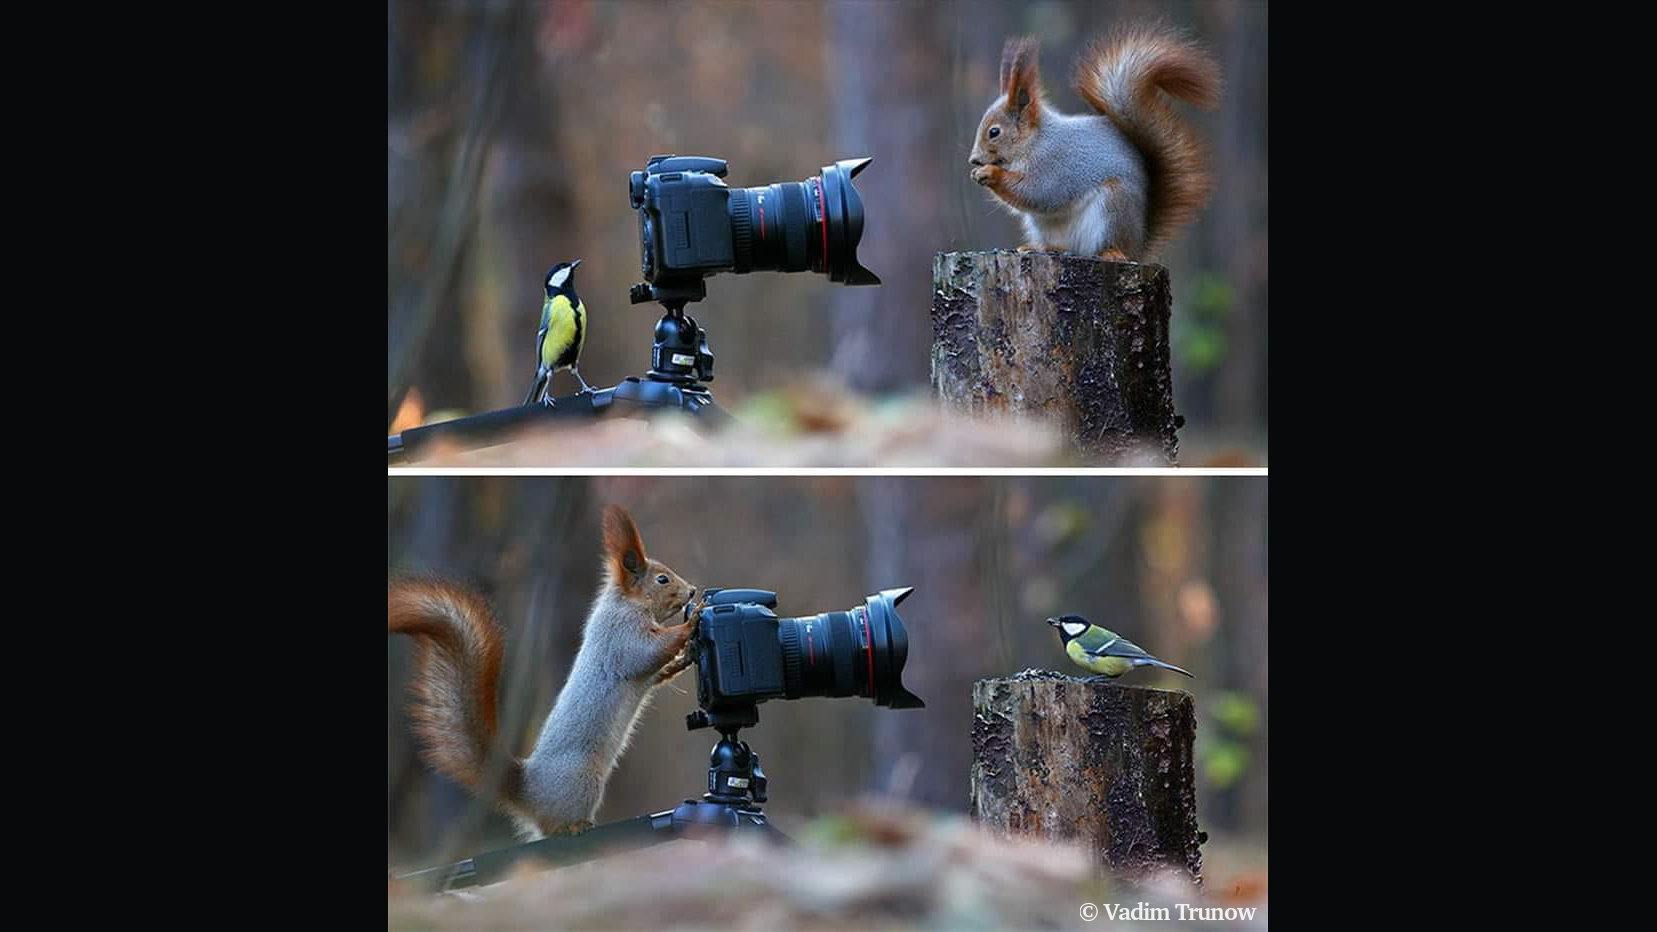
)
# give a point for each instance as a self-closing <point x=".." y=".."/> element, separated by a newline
<point x="1076" y="341"/>
<point x="1102" y="764"/>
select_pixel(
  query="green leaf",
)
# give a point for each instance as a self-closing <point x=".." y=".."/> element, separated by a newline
<point x="1204" y="349"/>
<point x="1213" y="299"/>
<point x="1235" y="712"/>
<point x="1224" y="763"/>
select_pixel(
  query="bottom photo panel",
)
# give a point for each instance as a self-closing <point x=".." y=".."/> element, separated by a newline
<point x="790" y="702"/>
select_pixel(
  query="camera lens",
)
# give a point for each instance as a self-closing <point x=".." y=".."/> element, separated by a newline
<point x="797" y="226"/>
<point x="860" y="652"/>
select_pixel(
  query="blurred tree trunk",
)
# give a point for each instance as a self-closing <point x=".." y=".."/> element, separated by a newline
<point x="433" y="213"/>
<point x="552" y="587"/>
<point x="1238" y="222"/>
<point x="923" y="533"/>
<point x="526" y="227"/>
<point x="1239" y="516"/>
<point x="885" y="104"/>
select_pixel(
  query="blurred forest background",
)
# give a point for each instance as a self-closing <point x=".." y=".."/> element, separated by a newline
<point x="1176" y="564"/>
<point x="512" y="127"/>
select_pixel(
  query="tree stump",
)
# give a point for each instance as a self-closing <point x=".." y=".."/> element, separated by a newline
<point x="1076" y="341"/>
<point x="1097" y="763"/>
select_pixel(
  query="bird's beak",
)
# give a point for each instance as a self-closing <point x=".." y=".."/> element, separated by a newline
<point x="575" y="265"/>
<point x="1053" y="621"/>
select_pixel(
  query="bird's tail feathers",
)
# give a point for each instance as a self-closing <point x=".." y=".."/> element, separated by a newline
<point x="1153" y="662"/>
<point x="534" y="390"/>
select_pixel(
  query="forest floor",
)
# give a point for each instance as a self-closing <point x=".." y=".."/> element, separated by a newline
<point x="812" y="423"/>
<point x="871" y="867"/>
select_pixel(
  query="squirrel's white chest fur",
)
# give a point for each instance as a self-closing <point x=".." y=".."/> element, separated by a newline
<point x="1083" y="229"/>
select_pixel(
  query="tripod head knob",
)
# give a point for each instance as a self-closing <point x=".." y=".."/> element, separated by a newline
<point x="758" y="787"/>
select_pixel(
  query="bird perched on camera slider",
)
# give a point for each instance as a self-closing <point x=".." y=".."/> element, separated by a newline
<point x="563" y="332"/>
<point x="1102" y="651"/>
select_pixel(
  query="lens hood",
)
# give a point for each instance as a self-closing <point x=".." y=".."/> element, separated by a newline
<point x="890" y="651"/>
<point x="844" y="211"/>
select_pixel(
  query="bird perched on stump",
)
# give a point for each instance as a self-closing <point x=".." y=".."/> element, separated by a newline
<point x="563" y="332"/>
<point x="1102" y="651"/>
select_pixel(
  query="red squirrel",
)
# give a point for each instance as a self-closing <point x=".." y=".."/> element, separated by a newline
<point x="1119" y="184"/>
<point x="629" y="646"/>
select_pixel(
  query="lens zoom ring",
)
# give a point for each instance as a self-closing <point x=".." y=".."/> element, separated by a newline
<point x="793" y="684"/>
<point x="797" y="227"/>
<point x="742" y="230"/>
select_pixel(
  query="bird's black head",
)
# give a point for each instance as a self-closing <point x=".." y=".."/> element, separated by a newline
<point x="1069" y="626"/>
<point x="561" y="278"/>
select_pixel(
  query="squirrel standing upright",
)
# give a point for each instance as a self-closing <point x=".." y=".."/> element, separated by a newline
<point x="1118" y="185"/>
<point x="628" y="648"/>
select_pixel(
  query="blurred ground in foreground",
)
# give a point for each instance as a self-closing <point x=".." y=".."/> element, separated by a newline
<point x="867" y="866"/>
<point x="806" y="422"/>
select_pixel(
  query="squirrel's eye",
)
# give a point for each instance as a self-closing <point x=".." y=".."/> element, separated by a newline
<point x="661" y="580"/>
<point x="995" y="131"/>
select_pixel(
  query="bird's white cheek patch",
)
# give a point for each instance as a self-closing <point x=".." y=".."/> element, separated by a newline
<point x="1073" y="629"/>
<point x="559" y="277"/>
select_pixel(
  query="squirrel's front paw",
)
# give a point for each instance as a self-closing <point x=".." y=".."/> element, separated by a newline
<point x="987" y="175"/>
<point x="674" y="667"/>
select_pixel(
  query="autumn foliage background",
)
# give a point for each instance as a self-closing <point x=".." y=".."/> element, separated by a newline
<point x="512" y="127"/>
<point x="511" y="130"/>
<point x="1177" y="564"/>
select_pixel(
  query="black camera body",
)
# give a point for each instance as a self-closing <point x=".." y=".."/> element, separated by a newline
<point x="684" y="222"/>
<point x="746" y="655"/>
<point x="692" y="225"/>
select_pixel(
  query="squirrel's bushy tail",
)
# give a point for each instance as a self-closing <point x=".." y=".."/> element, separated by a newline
<point x="1121" y="76"/>
<point x="457" y="669"/>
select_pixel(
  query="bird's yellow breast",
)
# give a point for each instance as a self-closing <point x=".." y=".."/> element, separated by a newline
<point x="562" y="329"/>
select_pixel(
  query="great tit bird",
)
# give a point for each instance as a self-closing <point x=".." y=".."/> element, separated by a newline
<point x="563" y="332"/>
<point x="1101" y="651"/>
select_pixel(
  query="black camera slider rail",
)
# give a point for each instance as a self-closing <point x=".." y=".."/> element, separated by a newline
<point x="691" y="819"/>
<point x="736" y="787"/>
<point x="633" y="396"/>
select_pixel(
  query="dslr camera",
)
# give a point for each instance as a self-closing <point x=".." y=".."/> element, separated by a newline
<point x="691" y="225"/>
<point x="746" y="655"/>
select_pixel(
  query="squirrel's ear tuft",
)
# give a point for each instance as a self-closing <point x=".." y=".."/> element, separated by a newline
<point x="623" y="547"/>
<point x="1021" y="77"/>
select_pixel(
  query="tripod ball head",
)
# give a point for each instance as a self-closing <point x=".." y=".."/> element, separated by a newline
<point x="734" y="774"/>
<point x="680" y="351"/>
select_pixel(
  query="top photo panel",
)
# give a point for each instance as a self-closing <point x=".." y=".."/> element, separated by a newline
<point x="826" y="234"/>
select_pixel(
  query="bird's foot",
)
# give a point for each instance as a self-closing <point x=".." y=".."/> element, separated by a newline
<point x="585" y="388"/>
<point x="547" y="400"/>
